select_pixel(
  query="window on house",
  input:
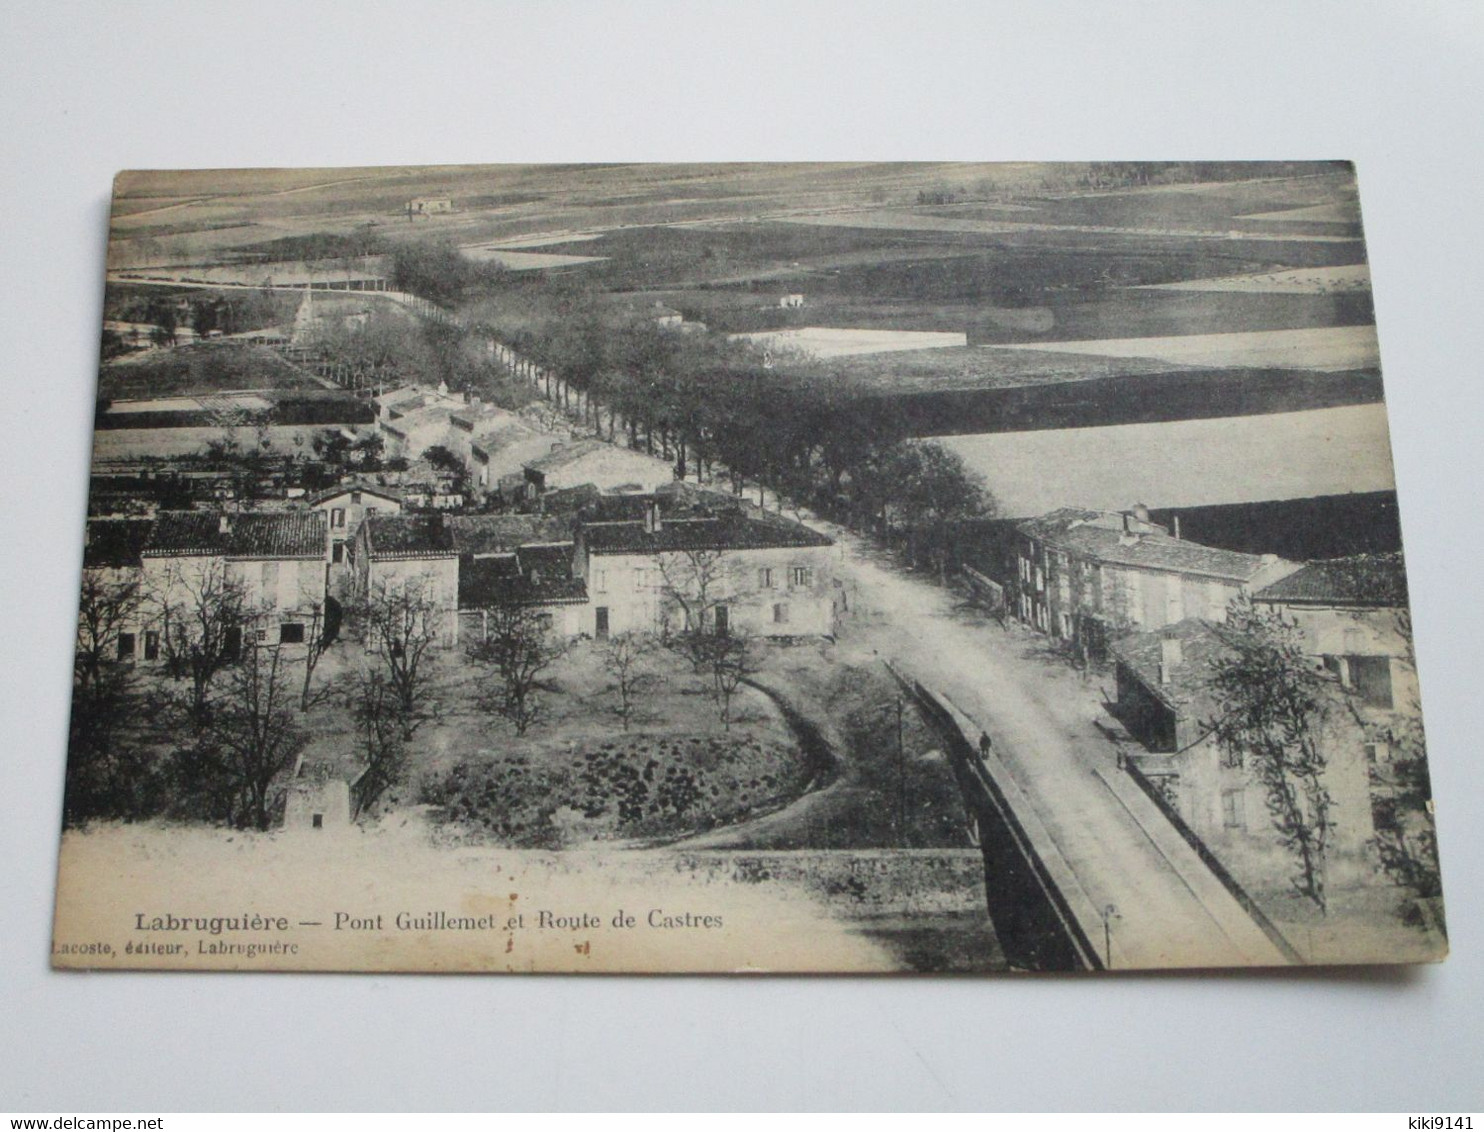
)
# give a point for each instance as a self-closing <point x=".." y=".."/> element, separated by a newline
<point x="337" y="552"/>
<point x="641" y="580"/>
<point x="1371" y="677"/>
<point x="291" y="633"/>
<point x="780" y="614"/>
<point x="765" y="578"/>
<point x="370" y="511"/>
<point x="126" y="646"/>
<point x="600" y="581"/>
<point x="261" y="636"/>
<point x="151" y="645"/>
<point x="1233" y="812"/>
<point x="355" y="497"/>
<point x="800" y="576"/>
<point x="317" y="821"/>
<point x="337" y="518"/>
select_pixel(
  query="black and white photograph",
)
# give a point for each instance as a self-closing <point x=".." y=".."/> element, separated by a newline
<point x="914" y="567"/>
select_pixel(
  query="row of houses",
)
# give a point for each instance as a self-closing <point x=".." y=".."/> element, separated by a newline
<point x="647" y="562"/>
<point x="1117" y="586"/>
<point x="503" y="453"/>
<point x="613" y="564"/>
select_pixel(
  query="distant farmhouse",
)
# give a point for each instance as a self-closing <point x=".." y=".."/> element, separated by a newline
<point x="428" y="206"/>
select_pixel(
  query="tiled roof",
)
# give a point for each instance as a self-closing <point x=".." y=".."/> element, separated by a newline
<point x="675" y="501"/>
<point x="567" y="454"/>
<point x="570" y="500"/>
<point x="1187" y="691"/>
<point x="1089" y="535"/>
<point x="1363" y="579"/>
<point x="727" y="532"/>
<point x="409" y="536"/>
<point x="549" y="560"/>
<point x="330" y="493"/>
<point x="486" y="582"/>
<point x="115" y="543"/>
<point x="490" y="534"/>
<point x="254" y="534"/>
<point x="285" y="534"/>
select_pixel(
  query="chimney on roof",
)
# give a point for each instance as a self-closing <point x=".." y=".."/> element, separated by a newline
<point x="1170" y="654"/>
<point x="652" y="520"/>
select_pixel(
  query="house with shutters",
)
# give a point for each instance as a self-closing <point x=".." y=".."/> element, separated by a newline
<point x="412" y="556"/>
<point x="1166" y="702"/>
<point x="707" y="564"/>
<point x="1353" y="616"/>
<point x="109" y="626"/>
<point x="267" y="568"/>
<point x="1086" y="577"/>
<point x="344" y="506"/>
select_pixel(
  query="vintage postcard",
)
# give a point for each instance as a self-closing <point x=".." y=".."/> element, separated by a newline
<point x="808" y="568"/>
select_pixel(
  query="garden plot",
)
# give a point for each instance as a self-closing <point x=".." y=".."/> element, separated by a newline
<point x="843" y="342"/>
<point x="1323" y="348"/>
<point x="1346" y="278"/>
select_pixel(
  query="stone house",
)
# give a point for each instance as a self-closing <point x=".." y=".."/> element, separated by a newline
<point x="721" y="569"/>
<point x="1353" y="615"/>
<point x="344" y="506"/>
<point x="1086" y="577"/>
<point x="607" y="466"/>
<point x="1166" y="703"/>
<point x="109" y="616"/>
<point x="272" y="564"/>
<point x="411" y="555"/>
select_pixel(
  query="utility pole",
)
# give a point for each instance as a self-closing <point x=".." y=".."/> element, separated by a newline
<point x="901" y="782"/>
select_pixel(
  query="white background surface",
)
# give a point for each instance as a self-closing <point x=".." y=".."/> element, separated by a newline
<point x="91" y="89"/>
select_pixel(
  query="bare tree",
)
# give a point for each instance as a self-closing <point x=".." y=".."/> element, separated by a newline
<point x="728" y="660"/>
<point x="317" y="640"/>
<point x="518" y="648"/>
<point x="252" y="739"/>
<point x="400" y="622"/>
<point x="1271" y="710"/>
<point x="201" y="611"/>
<point x="106" y="607"/>
<point x="626" y="655"/>
<point x="692" y="587"/>
<point x="1405" y="839"/>
<point x="375" y="707"/>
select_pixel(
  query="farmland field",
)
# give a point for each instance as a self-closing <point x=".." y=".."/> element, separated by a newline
<point x="1188" y="463"/>
<point x="524" y="261"/>
<point x="207" y="367"/>
<point x="1329" y="348"/>
<point x="1298" y="281"/>
<point x="836" y="342"/>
